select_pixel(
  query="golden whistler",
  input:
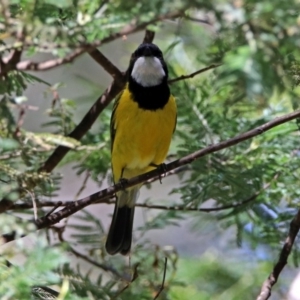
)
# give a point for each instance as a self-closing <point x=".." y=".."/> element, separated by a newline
<point x="142" y="124"/>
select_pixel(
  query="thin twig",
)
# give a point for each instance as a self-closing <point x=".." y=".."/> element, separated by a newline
<point x="90" y="47"/>
<point x="183" y="77"/>
<point x="56" y="205"/>
<point x="19" y="153"/>
<point x="162" y="286"/>
<point x="50" y="64"/>
<point x="202" y="21"/>
<point x="35" y="213"/>
<point x="43" y="292"/>
<point x="211" y="209"/>
<point x="149" y="36"/>
<point x="130" y="28"/>
<point x="134" y="277"/>
<point x="95" y="263"/>
<point x="83" y="186"/>
<point x="265" y="292"/>
<point x="19" y="122"/>
<point x="104" y="267"/>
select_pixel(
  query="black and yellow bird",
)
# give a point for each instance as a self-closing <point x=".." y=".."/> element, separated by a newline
<point x="142" y="124"/>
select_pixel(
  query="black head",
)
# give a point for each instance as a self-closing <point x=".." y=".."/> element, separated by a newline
<point x="148" y="50"/>
<point x="147" y="66"/>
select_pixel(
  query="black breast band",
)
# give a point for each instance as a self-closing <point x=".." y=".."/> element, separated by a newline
<point x="152" y="97"/>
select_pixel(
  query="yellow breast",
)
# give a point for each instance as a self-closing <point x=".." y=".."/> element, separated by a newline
<point x="142" y="136"/>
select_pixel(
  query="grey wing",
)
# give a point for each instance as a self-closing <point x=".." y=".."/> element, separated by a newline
<point x="112" y="121"/>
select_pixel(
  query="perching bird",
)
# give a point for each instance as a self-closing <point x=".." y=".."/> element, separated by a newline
<point x="142" y="124"/>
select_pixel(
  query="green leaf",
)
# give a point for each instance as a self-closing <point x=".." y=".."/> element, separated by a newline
<point x="7" y="144"/>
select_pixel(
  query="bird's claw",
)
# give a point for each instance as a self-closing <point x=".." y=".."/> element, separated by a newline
<point x="123" y="182"/>
<point x="162" y="168"/>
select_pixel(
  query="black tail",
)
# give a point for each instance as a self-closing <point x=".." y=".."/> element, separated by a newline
<point x="120" y="232"/>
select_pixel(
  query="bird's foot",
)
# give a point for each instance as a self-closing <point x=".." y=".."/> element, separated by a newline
<point x="162" y="168"/>
<point x="123" y="182"/>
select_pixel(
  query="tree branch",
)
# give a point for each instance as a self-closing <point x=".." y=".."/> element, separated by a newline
<point x="108" y="66"/>
<point x="6" y="204"/>
<point x="162" y="286"/>
<point x="104" y="62"/>
<point x="94" y="263"/>
<point x="183" y="77"/>
<point x="78" y="205"/>
<point x="14" y="58"/>
<point x="202" y="21"/>
<point x="28" y="205"/>
<point x="149" y="36"/>
<point x="28" y="65"/>
<point x="99" y="57"/>
<point x="265" y="292"/>
<point x="86" y="123"/>
<point x="109" y="192"/>
<point x="111" y="92"/>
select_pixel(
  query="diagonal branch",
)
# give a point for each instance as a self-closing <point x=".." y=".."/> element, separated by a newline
<point x="109" y="192"/>
<point x="108" y="66"/>
<point x="265" y="292"/>
<point x="183" y="77"/>
<point x="78" y="205"/>
<point x="162" y="286"/>
<point x="86" y="123"/>
<point x="110" y="93"/>
<point x="104" y="62"/>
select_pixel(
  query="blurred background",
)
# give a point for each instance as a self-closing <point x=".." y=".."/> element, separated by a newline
<point x="213" y="255"/>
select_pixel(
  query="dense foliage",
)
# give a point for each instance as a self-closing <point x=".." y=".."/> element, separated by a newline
<point x="254" y="46"/>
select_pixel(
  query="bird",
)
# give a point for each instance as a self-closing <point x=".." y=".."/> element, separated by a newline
<point x="142" y="124"/>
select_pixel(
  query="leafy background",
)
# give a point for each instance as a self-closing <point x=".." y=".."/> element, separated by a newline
<point x="217" y="255"/>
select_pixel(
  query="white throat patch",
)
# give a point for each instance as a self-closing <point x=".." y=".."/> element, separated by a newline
<point x="148" y="71"/>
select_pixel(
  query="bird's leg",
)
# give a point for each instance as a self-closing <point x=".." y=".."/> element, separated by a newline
<point x="162" y="169"/>
<point x="123" y="181"/>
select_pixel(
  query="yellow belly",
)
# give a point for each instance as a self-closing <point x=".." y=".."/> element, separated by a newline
<point x="142" y="137"/>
